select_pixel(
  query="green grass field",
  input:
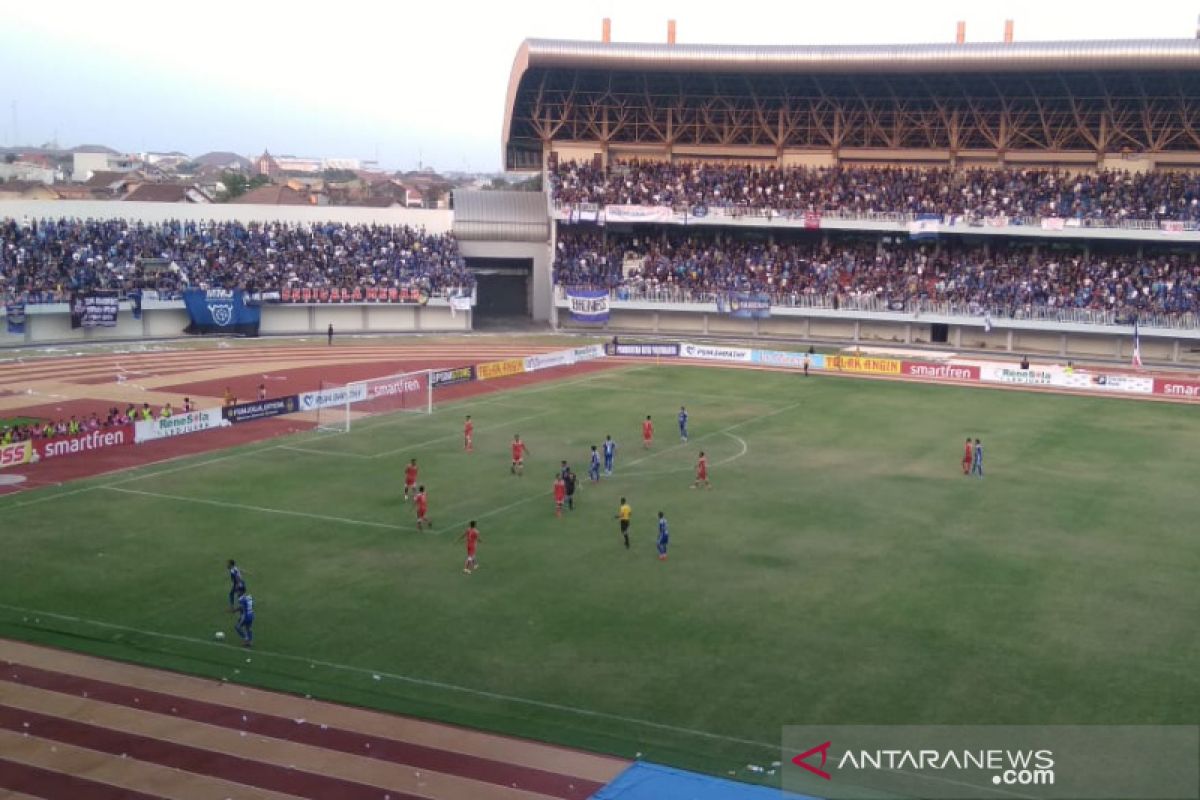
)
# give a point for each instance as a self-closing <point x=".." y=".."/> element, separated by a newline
<point x="842" y="570"/>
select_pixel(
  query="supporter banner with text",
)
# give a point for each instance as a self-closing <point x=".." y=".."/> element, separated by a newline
<point x="863" y="364"/>
<point x="452" y="376"/>
<point x="812" y="220"/>
<point x="94" y="309"/>
<point x="642" y="350"/>
<point x="639" y="214"/>
<point x="939" y="372"/>
<point x="274" y="407"/>
<point x="336" y="396"/>
<point x="84" y="442"/>
<point x="500" y="369"/>
<point x="178" y="425"/>
<point x="744" y="305"/>
<point x="373" y="294"/>
<point x="788" y="358"/>
<point x="221" y="311"/>
<point x="14" y="314"/>
<point x="1169" y="387"/>
<point x="925" y="226"/>
<point x="588" y="305"/>
<point x="1053" y="223"/>
<point x="14" y="455"/>
<point x="715" y="353"/>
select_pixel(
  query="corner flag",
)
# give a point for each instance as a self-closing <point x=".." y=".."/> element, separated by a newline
<point x="1137" y="346"/>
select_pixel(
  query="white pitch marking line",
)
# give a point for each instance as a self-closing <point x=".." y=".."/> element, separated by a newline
<point x="584" y="712"/>
<point x="261" y="509"/>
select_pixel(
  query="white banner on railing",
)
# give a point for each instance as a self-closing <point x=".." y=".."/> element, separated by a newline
<point x="178" y="425"/>
<point x="638" y="214"/>
<point x="715" y="353"/>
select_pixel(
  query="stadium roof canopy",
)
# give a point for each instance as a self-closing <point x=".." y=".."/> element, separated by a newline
<point x="1100" y="96"/>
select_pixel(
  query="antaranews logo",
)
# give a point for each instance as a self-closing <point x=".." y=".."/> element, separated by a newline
<point x="991" y="762"/>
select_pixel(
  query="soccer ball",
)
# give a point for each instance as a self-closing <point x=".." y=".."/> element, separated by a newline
<point x="219" y="636"/>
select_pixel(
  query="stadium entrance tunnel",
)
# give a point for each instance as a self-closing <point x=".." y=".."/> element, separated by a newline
<point x="503" y="289"/>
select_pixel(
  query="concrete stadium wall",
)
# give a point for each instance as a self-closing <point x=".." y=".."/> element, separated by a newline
<point x="796" y="324"/>
<point x="51" y="324"/>
<point x="433" y="220"/>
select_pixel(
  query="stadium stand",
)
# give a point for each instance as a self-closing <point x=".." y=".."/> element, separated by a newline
<point x="43" y="260"/>
<point x="1106" y="197"/>
<point x="1007" y="277"/>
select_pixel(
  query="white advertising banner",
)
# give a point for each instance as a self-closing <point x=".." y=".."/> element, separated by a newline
<point x="715" y="353"/>
<point x="559" y="358"/>
<point x="1020" y="377"/>
<point x="1108" y="382"/>
<point x="589" y="352"/>
<point x="178" y="425"/>
<point x="328" y="398"/>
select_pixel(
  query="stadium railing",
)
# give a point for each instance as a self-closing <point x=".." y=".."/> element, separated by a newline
<point x="851" y="303"/>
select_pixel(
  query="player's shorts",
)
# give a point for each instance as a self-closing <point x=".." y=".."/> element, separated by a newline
<point x="624" y="525"/>
<point x="409" y="484"/>
<point x="470" y="552"/>
<point x="702" y="475"/>
<point x="518" y="462"/>
<point x="421" y="512"/>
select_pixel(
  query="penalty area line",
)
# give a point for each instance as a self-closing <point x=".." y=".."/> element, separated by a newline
<point x="260" y="509"/>
<point x="424" y="682"/>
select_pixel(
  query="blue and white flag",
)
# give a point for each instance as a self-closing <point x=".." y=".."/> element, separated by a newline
<point x="588" y="305"/>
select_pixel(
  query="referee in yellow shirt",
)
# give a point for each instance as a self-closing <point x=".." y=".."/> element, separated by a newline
<point x="623" y="514"/>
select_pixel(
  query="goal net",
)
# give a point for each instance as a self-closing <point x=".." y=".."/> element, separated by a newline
<point x="341" y="405"/>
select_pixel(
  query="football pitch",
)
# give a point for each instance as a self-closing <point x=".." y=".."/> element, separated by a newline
<point x="841" y="570"/>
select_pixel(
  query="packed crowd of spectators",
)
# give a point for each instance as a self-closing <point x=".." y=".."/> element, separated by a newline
<point x="895" y="271"/>
<point x="44" y="260"/>
<point x="76" y="425"/>
<point x="1107" y="197"/>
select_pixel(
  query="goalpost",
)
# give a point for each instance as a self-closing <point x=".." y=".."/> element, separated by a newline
<point x="341" y="404"/>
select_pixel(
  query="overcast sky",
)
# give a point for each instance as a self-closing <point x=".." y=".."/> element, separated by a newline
<point x="409" y="79"/>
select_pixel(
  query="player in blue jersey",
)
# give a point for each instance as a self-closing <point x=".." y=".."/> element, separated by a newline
<point x="683" y="418"/>
<point x="664" y="537"/>
<point x="610" y="452"/>
<point x="245" y="623"/>
<point x="237" y="584"/>
<point x="977" y="462"/>
<point x="594" y="466"/>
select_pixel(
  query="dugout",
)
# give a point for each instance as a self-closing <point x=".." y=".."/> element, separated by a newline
<point x="504" y="237"/>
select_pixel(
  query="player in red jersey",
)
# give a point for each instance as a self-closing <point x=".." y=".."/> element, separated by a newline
<point x="410" y="479"/>
<point x="422" y="501"/>
<point x="968" y="454"/>
<point x="560" y="494"/>
<point x="469" y="435"/>
<point x="519" y="451"/>
<point x="702" y="472"/>
<point x="647" y="432"/>
<point x="471" y="535"/>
